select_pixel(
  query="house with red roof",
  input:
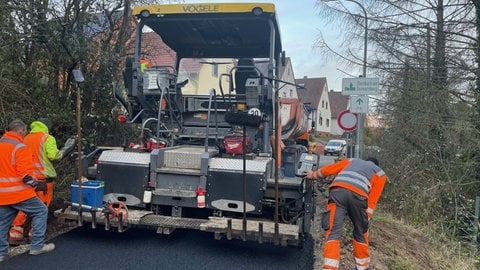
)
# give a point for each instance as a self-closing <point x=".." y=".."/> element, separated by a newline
<point x="286" y="75"/>
<point x="314" y="95"/>
<point x="203" y="74"/>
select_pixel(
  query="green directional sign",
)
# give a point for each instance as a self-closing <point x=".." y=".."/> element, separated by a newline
<point x="359" y="104"/>
<point x="360" y="86"/>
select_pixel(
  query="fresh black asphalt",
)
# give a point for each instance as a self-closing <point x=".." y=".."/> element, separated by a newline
<point x="85" y="249"/>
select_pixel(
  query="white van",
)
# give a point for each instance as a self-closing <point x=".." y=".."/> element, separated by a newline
<point x="336" y="147"/>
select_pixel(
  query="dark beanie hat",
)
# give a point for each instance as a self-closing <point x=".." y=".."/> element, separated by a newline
<point x="46" y="121"/>
<point x="372" y="159"/>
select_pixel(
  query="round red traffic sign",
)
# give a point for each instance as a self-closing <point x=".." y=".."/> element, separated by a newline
<point x="347" y="120"/>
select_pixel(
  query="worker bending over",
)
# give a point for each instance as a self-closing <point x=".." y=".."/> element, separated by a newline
<point x="354" y="192"/>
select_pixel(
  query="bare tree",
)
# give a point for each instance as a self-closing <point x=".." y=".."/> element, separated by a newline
<point x="423" y="51"/>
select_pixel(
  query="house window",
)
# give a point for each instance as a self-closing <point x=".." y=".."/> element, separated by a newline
<point x="323" y="103"/>
<point x="291" y="93"/>
<point x="326" y="105"/>
<point x="328" y="122"/>
<point x="320" y="121"/>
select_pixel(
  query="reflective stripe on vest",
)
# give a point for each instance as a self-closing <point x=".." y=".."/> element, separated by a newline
<point x="14" y="188"/>
<point x="354" y="179"/>
<point x="8" y="179"/>
<point x="358" y="174"/>
<point x="41" y="168"/>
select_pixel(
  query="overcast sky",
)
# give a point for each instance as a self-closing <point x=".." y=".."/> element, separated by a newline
<point x="299" y="28"/>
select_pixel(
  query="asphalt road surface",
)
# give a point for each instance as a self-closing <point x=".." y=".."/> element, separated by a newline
<point x="86" y="249"/>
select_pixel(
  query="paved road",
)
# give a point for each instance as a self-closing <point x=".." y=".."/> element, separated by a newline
<point x="324" y="160"/>
<point x="84" y="249"/>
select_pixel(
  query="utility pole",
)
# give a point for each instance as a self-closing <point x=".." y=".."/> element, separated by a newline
<point x="359" y="137"/>
<point x="360" y="115"/>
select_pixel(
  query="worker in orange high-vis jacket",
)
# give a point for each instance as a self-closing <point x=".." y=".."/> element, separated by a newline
<point x="17" y="190"/>
<point x="45" y="152"/>
<point x="354" y="192"/>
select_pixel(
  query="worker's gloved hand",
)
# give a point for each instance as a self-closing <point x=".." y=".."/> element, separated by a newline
<point x="41" y="186"/>
<point x="311" y="175"/>
<point x="69" y="146"/>
<point x="27" y="179"/>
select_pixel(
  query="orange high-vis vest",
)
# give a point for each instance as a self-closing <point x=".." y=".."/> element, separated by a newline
<point x="15" y="162"/>
<point x="42" y="166"/>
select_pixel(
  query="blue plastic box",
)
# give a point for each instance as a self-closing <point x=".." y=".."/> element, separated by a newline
<point x="92" y="193"/>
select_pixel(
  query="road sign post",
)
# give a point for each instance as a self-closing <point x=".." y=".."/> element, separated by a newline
<point x="356" y="88"/>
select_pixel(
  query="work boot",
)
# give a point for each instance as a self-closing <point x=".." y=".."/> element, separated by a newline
<point x="46" y="248"/>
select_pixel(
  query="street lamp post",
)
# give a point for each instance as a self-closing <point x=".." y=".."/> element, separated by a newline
<point x="359" y="138"/>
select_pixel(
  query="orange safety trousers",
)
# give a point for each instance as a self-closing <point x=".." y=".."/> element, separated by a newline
<point x="343" y="203"/>
<point x="18" y="224"/>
